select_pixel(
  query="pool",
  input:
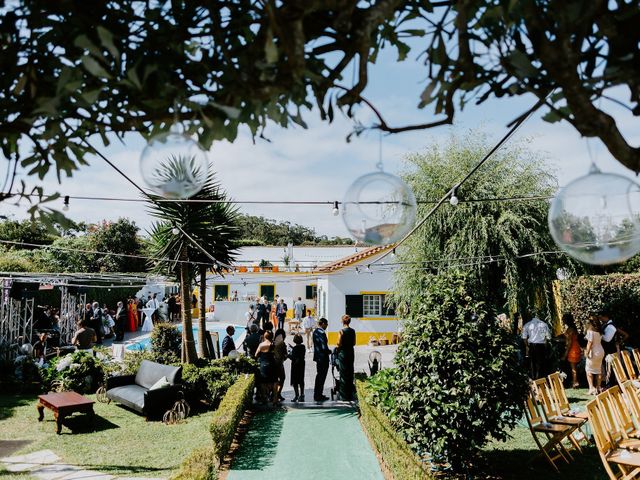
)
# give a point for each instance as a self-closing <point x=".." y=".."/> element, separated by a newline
<point x="238" y="337"/>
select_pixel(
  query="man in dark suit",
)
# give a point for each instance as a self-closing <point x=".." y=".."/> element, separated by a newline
<point x="321" y="354"/>
<point x="228" y="345"/>
<point x="281" y="312"/>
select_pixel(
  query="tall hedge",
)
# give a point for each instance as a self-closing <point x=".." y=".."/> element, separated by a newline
<point x="458" y="382"/>
<point x="618" y="293"/>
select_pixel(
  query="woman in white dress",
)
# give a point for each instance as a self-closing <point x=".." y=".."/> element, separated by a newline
<point x="594" y="353"/>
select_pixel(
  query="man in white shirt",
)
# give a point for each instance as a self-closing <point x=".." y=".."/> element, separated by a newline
<point x="153" y="303"/>
<point x="536" y="334"/>
<point x="308" y="324"/>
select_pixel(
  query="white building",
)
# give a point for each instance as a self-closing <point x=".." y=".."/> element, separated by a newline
<point x="329" y="288"/>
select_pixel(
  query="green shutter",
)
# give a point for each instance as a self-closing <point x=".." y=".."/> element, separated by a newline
<point x="353" y="305"/>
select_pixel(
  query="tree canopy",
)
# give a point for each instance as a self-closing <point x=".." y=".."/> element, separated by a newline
<point x="494" y="240"/>
<point x="264" y="231"/>
<point x="72" y="70"/>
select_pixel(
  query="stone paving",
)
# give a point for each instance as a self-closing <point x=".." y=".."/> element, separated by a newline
<point x="46" y="465"/>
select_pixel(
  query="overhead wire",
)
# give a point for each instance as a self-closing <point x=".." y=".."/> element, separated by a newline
<point x="455" y="187"/>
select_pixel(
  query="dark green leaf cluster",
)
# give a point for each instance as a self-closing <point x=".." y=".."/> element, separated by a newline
<point x="84" y="373"/>
<point x="166" y="343"/>
<point x="458" y="383"/>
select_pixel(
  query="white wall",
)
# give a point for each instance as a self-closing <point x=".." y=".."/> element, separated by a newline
<point x="287" y="285"/>
<point x="347" y="282"/>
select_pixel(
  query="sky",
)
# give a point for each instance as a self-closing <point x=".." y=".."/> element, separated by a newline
<point x="318" y="164"/>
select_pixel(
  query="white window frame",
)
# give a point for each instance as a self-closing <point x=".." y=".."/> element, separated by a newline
<point x="371" y="305"/>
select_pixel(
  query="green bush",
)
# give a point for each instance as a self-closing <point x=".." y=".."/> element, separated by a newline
<point x="166" y="342"/>
<point x="207" y="383"/>
<point x="201" y="464"/>
<point x="397" y="457"/>
<point x="617" y="293"/>
<point x="458" y="382"/>
<point x="380" y="389"/>
<point x="239" y="365"/>
<point x="79" y="371"/>
<point x="227" y="417"/>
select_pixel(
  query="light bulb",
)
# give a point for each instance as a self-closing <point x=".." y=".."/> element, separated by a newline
<point x="453" y="201"/>
<point x="65" y="207"/>
<point x="336" y="210"/>
<point x="175" y="230"/>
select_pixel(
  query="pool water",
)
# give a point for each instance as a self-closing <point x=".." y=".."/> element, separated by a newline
<point x="238" y="337"/>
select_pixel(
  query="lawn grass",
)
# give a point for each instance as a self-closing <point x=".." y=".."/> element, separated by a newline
<point x="120" y="442"/>
<point x="512" y="459"/>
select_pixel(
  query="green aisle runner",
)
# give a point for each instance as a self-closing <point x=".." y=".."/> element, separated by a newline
<point x="308" y="444"/>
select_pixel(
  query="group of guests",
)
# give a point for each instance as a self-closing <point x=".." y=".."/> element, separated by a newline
<point x="268" y="345"/>
<point x="601" y="337"/>
<point x="276" y="313"/>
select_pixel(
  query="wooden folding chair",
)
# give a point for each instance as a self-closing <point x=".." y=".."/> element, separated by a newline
<point x="616" y="426"/>
<point x="614" y="360"/>
<point x="623" y="412"/>
<point x="627" y="462"/>
<point x="636" y="357"/>
<point x="560" y="397"/>
<point x="628" y="365"/>
<point x="550" y="445"/>
<point x="553" y="415"/>
<point x="631" y="395"/>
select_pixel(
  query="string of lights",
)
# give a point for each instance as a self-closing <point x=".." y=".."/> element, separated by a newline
<point x="334" y="203"/>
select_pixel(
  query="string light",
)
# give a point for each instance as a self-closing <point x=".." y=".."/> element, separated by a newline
<point x="453" y="201"/>
<point x="65" y="207"/>
<point x="175" y="230"/>
<point x="336" y="210"/>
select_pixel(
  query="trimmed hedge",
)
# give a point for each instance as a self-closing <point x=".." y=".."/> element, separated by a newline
<point x="617" y="293"/>
<point x="204" y="463"/>
<point x="227" y="417"/>
<point x="398" y="459"/>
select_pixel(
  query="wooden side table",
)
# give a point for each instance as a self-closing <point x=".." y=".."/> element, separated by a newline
<point x="63" y="404"/>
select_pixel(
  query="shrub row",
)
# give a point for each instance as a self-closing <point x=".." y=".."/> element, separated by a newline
<point x="203" y="463"/>
<point x="617" y="293"/>
<point x="399" y="460"/>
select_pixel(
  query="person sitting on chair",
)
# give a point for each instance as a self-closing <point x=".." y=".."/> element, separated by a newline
<point x="85" y="337"/>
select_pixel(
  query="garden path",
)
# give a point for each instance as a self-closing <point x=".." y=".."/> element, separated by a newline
<point x="309" y="443"/>
<point x="46" y="465"/>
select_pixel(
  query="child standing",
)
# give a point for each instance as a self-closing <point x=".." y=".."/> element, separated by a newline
<point x="297" y="368"/>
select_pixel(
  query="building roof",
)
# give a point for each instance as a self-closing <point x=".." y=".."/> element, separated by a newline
<point x="355" y="258"/>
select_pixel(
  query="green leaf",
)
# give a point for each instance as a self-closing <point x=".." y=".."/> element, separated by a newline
<point x="94" y="68"/>
<point x="270" y="49"/>
<point x="106" y="37"/>
<point x="522" y="63"/>
<point x="231" y="112"/>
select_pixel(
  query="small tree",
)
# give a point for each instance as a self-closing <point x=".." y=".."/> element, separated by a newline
<point x="213" y="227"/>
<point x="458" y="382"/>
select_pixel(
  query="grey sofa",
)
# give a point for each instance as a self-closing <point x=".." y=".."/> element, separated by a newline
<point x="133" y="390"/>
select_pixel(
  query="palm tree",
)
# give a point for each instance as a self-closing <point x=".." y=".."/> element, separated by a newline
<point x="212" y="228"/>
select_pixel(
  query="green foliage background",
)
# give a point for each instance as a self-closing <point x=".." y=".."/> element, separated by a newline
<point x="618" y="293"/>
